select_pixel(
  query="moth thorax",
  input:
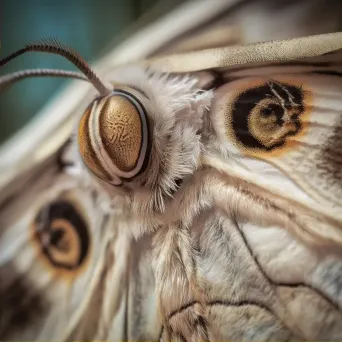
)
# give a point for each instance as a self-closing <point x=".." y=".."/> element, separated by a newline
<point x="113" y="137"/>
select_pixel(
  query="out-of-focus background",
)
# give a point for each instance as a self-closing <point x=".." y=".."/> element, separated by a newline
<point x="89" y="26"/>
<point x="93" y="27"/>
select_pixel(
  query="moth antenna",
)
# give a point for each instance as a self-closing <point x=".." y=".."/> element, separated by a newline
<point x="52" y="45"/>
<point x="9" y="79"/>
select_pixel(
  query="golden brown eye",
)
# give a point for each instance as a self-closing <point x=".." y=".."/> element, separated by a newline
<point x="61" y="235"/>
<point x="113" y="137"/>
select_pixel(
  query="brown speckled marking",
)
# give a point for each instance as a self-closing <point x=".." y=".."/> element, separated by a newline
<point x="329" y="166"/>
<point x="22" y="305"/>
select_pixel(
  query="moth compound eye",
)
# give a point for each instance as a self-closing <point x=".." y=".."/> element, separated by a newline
<point x="62" y="236"/>
<point x="113" y="137"/>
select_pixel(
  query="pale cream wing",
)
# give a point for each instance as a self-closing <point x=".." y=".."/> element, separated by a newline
<point x="261" y="284"/>
<point x="222" y="277"/>
<point x="279" y="128"/>
<point x="287" y="119"/>
<point x="277" y="162"/>
<point x="123" y="305"/>
<point x="53" y="242"/>
<point x="69" y="268"/>
<point x="248" y="243"/>
<point x="143" y="318"/>
<point x="274" y="126"/>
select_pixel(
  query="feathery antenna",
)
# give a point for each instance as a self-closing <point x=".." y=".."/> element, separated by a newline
<point x="9" y="79"/>
<point x="52" y="45"/>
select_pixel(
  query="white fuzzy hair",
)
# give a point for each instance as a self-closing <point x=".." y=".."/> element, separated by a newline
<point x="175" y="108"/>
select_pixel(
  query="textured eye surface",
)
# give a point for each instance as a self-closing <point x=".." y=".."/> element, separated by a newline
<point x="61" y="235"/>
<point x="113" y="137"/>
<point x="120" y="129"/>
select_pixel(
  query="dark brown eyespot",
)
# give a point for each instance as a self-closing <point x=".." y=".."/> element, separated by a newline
<point x="264" y="116"/>
<point x="113" y="137"/>
<point x="62" y="235"/>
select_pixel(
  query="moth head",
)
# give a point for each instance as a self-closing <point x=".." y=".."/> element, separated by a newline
<point x="113" y="133"/>
<point x="113" y="137"/>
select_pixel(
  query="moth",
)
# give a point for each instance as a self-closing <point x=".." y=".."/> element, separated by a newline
<point x="183" y="196"/>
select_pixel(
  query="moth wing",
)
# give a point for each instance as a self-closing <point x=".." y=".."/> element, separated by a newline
<point x="220" y="289"/>
<point x="309" y="151"/>
<point x="300" y="176"/>
<point x="70" y="269"/>
<point x="263" y="284"/>
<point x="231" y="279"/>
<point x="53" y="239"/>
<point x="123" y="305"/>
<point x="290" y="155"/>
<point x="143" y="320"/>
<point x="241" y="270"/>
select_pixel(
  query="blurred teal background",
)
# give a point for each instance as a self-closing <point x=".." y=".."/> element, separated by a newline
<point x="89" y="26"/>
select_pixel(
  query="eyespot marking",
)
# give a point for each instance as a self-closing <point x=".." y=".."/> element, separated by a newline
<point x="267" y="117"/>
<point x="61" y="236"/>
